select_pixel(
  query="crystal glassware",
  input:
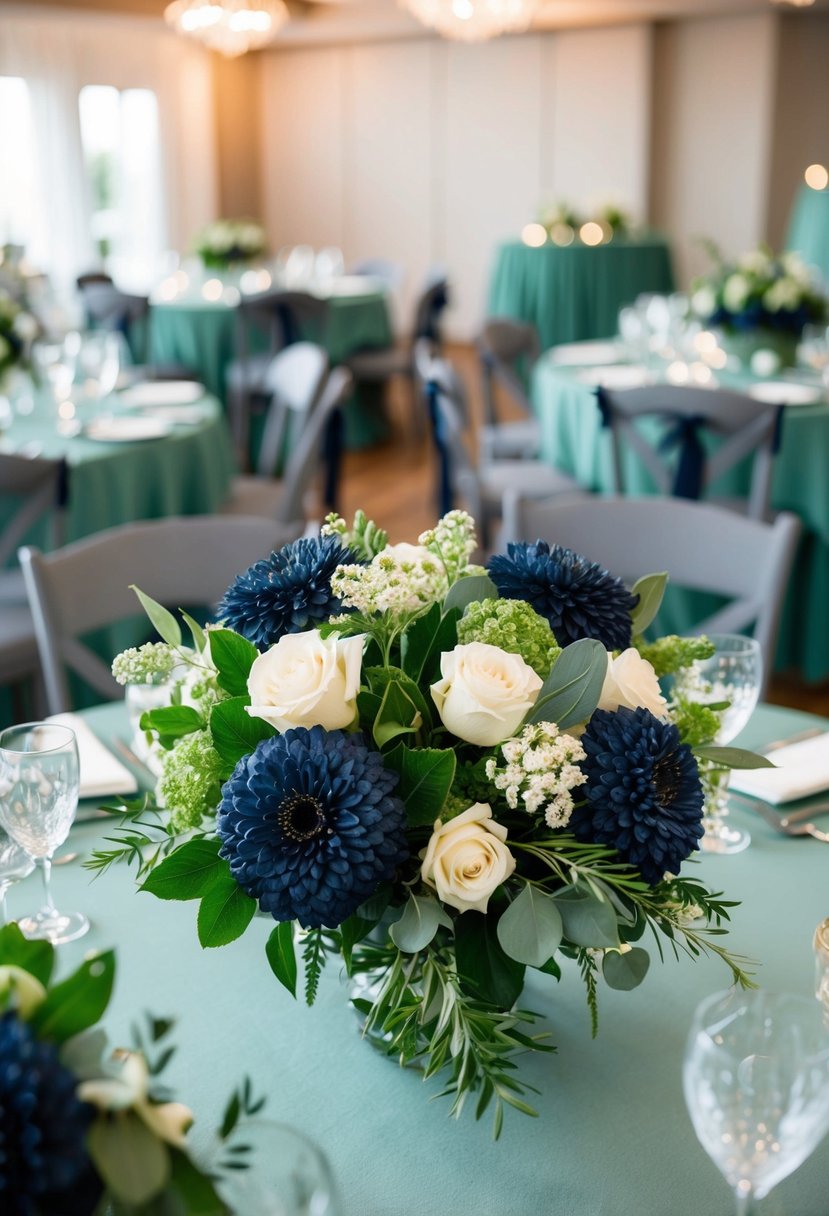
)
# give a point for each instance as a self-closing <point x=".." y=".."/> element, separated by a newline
<point x="756" y="1082"/>
<point x="734" y="673"/>
<point x="39" y="782"/>
<point x="15" y="864"/>
<point x="821" y="948"/>
<point x="287" y="1175"/>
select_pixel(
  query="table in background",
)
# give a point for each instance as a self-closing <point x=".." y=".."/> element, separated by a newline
<point x="613" y="1137"/>
<point x="573" y="440"/>
<point x="574" y="292"/>
<point x="808" y="232"/>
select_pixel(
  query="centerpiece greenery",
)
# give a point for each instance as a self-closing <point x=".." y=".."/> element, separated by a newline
<point x="226" y="243"/>
<point x="17" y="330"/>
<point x="442" y="775"/>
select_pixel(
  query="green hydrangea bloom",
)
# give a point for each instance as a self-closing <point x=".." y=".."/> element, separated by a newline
<point x="190" y="785"/>
<point x="513" y="626"/>
<point x="666" y="655"/>
<point x="697" y="724"/>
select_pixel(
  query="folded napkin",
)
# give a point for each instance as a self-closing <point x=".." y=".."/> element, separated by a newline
<point x="620" y="375"/>
<point x="586" y="354"/>
<point x="802" y="769"/>
<point x="101" y="772"/>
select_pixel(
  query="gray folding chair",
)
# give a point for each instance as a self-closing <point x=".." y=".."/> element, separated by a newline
<point x="507" y="351"/>
<point x="702" y="547"/>
<point x="678" y="461"/>
<point x="188" y="561"/>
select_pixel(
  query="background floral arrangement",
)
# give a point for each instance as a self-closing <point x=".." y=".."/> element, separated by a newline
<point x="759" y="291"/>
<point x="82" y="1130"/>
<point x="563" y="222"/>
<point x="17" y="330"/>
<point x="442" y="775"/>
<point x="225" y="242"/>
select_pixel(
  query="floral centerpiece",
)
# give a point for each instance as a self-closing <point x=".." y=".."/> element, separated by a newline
<point x="18" y="328"/>
<point x="225" y="243"/>
<point x="442" y="775"/>
<point x="84" y="1130"/>
<point x="760" y="301"/>
<point x="564" y="223"/>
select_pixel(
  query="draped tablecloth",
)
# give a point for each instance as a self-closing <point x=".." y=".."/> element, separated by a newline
<point x="574" y="292"/>
<point x="574" y="441"/>
<point x="613" y="1137"/>
<point x="808" y="232"/>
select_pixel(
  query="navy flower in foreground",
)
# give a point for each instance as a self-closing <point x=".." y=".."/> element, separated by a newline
<point x="310" y="826"/>
<point x="287" y="592"/>
<point x="644" y="795"/>
<point x="578" y="598"/>
<point x="42" y="1125"/>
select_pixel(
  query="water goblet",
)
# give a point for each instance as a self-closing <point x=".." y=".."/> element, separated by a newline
<point x="287" y="1175"/>
<point x="39" y="781"/>
<point x="756" y="1083"/>
<point x="15" y="864"/>
<point x="734" y="673"/>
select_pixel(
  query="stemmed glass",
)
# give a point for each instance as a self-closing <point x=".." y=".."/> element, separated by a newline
<point x="288" y="1175"/>
<point x="39" y="782"/>
<point x="756" y="1081"/>
<point x="734" y="673"/>
<point x="15" y="864"/>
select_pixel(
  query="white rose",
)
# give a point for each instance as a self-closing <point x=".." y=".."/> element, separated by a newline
<point x="704" y="302"/>
<point x="485" y="692"/>
<point x="631" y="681"/>
<point x="307" y="680"/>
<point x="735" y="292"/>
<point x="466" y="859"/>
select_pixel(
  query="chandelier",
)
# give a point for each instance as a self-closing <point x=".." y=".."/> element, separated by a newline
<point x="472" y="20"/>
<point x="229" y="26"/>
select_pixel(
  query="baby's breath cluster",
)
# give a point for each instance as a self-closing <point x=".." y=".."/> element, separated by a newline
<point x="453" y="541"/>
<point x="403" y="579"/>
<point x="541" y="771"/>
<point x="514" y="626"/>
<point x="190" y="784"/>
<point x="148" y="664"/>
<point x="363" y="538"/>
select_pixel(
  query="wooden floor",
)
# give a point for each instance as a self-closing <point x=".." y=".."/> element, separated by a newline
<point x="395" y="484"/>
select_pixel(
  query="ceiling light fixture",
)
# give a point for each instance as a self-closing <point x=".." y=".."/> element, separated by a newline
<point x="472" y="20"/>
<point x="795" y="3"/>
<point x="231" y="27"/>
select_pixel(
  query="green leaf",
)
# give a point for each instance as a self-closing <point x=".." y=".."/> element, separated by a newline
<point x="426" y="776"/>
<point x="164" y="623"/>
<point x="625" y="971"/>
<point x="419" y="923"/>
<point x="379" y="678"/>
<point x="172" y="722"/>
<point x="651" y="590"/>
<point x="353" y="930"/>
<point x="196" y="1191"/>
<point x="376" y="904"/>
<point x="199" y="636"/>
<point x="132" y="1162"/>
<point x="530" y="930"/>
<point x="235" y="733"/>
<point x="469" y="590"/>
<point x="485" y="971"/>
<point x="36" y="957"/>
<point x="78" y="1002"/>
<point x="572" y="689"/>
<point x="224" y="913"/>
<point x="282" y="956"/>
<point x="233" y="657"/>
<point x="425" y="640"/>
<point x="733" y="757"/>
<point x="398" y="715"/>
<point x="588" y="920"/>
<point x="190" y="872"/>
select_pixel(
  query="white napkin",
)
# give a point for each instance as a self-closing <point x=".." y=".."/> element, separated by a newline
<point x="785" y="392"/>
<point x="802" y="770"/>
<point x="586" y="354"/>
<point x="162" y="392"/>
<point x="101" y="772"/>
<point x="620" y="375"/>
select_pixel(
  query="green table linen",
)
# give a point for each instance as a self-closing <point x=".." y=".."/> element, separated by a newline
<point x="574" y="441"/>
<point x="808" y="232"/>
<point x="574" y="292"/>
<point x="613" y="1137"/>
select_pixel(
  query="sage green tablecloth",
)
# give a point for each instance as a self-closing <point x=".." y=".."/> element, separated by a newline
<point x="808" y="232"/>
<point x="613" y="1137"/>
<point x="573" y="440"/>
<point x="574" y="292"/>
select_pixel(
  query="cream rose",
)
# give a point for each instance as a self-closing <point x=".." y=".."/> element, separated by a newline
<point x="466" y="859"/>
<point x="484" y="693"/>
<point x="631" y="681"/>
<point x="307" y="680"/>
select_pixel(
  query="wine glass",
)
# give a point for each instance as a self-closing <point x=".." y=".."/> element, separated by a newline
<point x="39" y="781"/>
<point x="287" y="1174"/>
<point x="100" y="363"/>
<point x="734" y="673"/>
<point x="756" y="1082"/>
<point x="15" y="863"/>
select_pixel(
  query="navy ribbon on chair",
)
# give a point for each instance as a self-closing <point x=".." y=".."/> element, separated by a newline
<point x="690" y="468"/>
<point x="332" y="448"/>
<point x="444" y="459"/>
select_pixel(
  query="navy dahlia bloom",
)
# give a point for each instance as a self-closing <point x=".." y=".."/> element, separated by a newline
<point x="43" y="1158"/>
<point x="287" y="592"/>
<point x="310" y="826"/>
<point x="578" y="598"/>
<point x="644" y="795"/>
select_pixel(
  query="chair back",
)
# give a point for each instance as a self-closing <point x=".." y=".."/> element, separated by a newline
<point x="702" y="547"/>
<point x="320" y="439"/>
<point x="92" y="276"/>
<point x="506" y="349"/>
<point x="433" y="299"/>
<point x="746" y="428"/>
<point x="108" y="308"/>
<point x="445" y="399"/>
<point x="87" y="585"/>
<point x="294" y="381"/>
<point x="42" y="488"/>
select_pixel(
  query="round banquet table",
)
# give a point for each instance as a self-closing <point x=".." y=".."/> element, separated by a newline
<point x="574" y="441"/>
<point x="613" y="1137"/>
<point x="808" y="232"/>
<point x="574" y="292"/>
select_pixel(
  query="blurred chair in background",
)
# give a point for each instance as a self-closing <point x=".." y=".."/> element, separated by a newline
<point x="508" y="351"/>
<point x="106" y="307"/>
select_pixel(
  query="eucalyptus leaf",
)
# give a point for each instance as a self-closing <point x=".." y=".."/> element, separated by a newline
<point x="282" y="955"/>
<point x="485" y="971"/>
<point x="36" y="957"/>
<point x="199" y="636"/>
<point x="235" y="733"/>
<point x="426" y="776"/>
<point x="163" y="621"/>
<point x="233" y="656"/>
<point x="224" y="913"/>
<point x="530" y="930"/>
<point x="132" y="1162"/>
<point x="625" y="971"/>
<point x="419" y="923"/>
<point x="78" y="1002"/>
<point x="469" y="590"/>
<point x="651" y="591"/>
<point x="733" y="757"/>
<point x="571" y="691"/>
<point x="195" y="1189"/>
<point x="588" y="920"/>
<point x="190" y="872"/>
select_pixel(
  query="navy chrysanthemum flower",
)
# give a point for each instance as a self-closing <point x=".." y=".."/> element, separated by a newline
<point x="309" y="825"/>
<point x="579" y="598"/>
<point x="287" y="592"/>
<point x="644" y="795"/>
<point x="43" y="1125"/>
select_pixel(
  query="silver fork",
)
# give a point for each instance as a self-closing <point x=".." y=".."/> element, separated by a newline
<point x="797" y="823"/>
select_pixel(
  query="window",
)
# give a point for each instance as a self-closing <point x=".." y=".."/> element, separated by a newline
<point x="21" y="221"/>
<point x="120" y="139"/>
